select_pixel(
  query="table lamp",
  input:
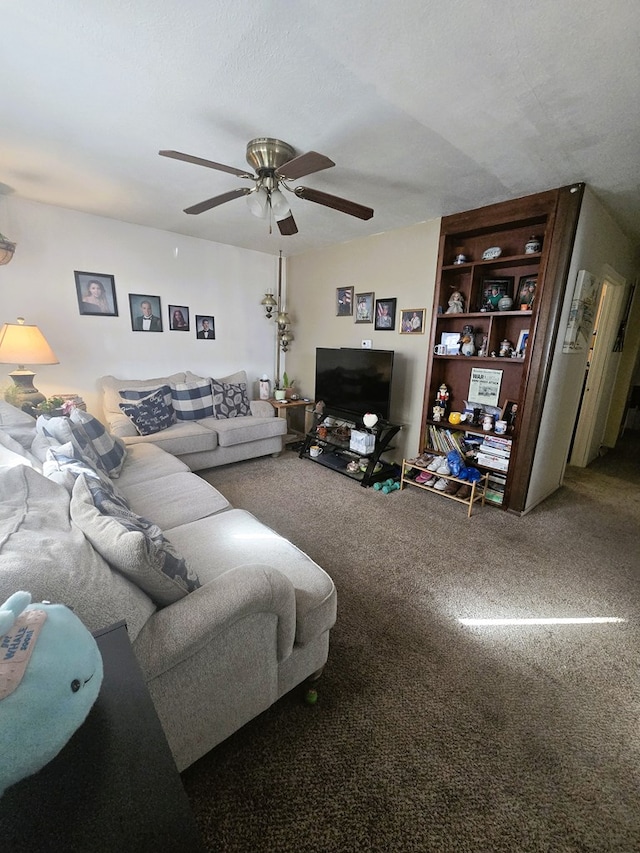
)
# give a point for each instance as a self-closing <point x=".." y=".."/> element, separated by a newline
<point x="23" y="344"/>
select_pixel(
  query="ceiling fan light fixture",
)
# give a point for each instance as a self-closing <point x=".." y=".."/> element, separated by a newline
<point x="257" y="202"/>
<point x="279" y="205"/>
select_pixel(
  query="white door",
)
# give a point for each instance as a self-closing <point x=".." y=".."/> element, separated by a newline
<point x="602" y="368"/>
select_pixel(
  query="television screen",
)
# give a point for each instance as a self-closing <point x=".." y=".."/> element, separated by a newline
<point x="354" y="381"/>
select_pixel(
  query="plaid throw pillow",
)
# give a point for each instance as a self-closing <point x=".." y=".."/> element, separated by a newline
<point x="230" y="400"/>
<point x="136" y="394"/>
<point x="151" y="413"/>
<point x="192" y="400"/>
<point x="110" y="452"/>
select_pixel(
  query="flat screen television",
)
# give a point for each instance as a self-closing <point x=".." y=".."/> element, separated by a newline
<point x="354" y="381"/>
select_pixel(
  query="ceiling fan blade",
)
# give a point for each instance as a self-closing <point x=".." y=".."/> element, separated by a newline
<point x="216" y="200"/>
<point x="334" y="202"/>
<point x="188" y="158"/>
<point x="303" y="165"/>
<point x="288" y="226"/>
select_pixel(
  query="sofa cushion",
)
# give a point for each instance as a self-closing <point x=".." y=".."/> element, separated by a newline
<point x="13" y="453"/>
<point x="130" y="543"/>
<point x="180" y="438"/>
<point x="146" y="462"/>
<point x="215" y="544"/>
<point x="112" y="388"/>
<point x="43" y="552"/>
<point x="232" y="431"/>
<point x="230" y="400"/>
<point x="18" y="424"/>
<point x="150" y="414"/>
<point x="174" y="499"/>
<point x="192" y="400"/>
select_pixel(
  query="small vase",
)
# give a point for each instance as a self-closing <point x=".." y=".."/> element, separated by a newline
<point x="532" y="245"/>
<point x="505" y="304"/>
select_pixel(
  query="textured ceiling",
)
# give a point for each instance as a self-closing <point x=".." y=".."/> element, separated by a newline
<point x="426" y="108"/>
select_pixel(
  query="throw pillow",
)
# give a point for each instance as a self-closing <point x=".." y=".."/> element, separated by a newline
<point x="192" y="400"/>
<point x="136" y="394"/>
<point x="150" y="414"/>
<point x="230" y="400"/>
<point x="133" y="545"/>
<point x="63" y="465"/>
<point x="91" y="435"/>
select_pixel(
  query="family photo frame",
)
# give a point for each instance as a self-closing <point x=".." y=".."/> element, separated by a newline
<point x="96" y="294"/>
<point x="364" y="307"/>
<point x="179" y="318"/>
<point x="344" y="301"/>
<point x="205" y="327"/>
<point x="385" y="315"/>
<point x="146" y="315"/>
<point x="412" y="321"/>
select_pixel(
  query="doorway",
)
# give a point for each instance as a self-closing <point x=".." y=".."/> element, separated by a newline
<point x="600" y="372"/>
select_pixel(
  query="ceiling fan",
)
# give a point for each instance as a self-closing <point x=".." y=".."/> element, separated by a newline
<point x="275" y="164"/>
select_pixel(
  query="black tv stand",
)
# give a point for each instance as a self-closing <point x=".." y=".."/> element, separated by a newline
<point x="336" y="453"/>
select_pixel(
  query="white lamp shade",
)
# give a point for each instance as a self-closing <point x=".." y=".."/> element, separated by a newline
<point x="257" y="202"/>
<point x="279" y="205"/>
<point x="22" y="344"/>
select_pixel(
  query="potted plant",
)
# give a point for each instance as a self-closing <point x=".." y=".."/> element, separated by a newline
<point x="285" y="388"/>
<point x="52" y="406"/>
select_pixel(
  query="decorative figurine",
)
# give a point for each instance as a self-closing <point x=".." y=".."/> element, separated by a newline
<point x="466" y="344"/>
<point x="506" y="348"/>
<point x="456" y="303"/>
<point x="532" y="245"/>
<point x="483" y="352"/>
<point x="440" y="408"/>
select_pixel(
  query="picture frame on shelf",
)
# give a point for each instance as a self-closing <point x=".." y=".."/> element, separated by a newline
<point x="96" y="294"/>
<point x="205" y="327"/>
<point x="364" y="307"/>
<point x="146" y="314"/>
<point x="484" y="386"/>
<point x="525" y="296"/>
<point x="179" y="318"/>
<point x="385" y="315"/>
<point x="523" y="340"/>
<point x="492" y="291"/>
<point x="509" y="413"/>
<point x="344" y="301"/>
<point x="412" y="321"/>
<point x="450" y="341"/>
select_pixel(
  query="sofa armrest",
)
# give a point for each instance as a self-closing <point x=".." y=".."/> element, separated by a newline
<point x="176" y="632"/>
<point x="262" y="409"/>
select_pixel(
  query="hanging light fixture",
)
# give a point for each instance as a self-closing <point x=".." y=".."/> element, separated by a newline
<point x="284" y="334"/>
<point x="269" y="303"/>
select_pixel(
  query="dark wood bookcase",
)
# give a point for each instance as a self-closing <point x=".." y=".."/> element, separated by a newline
<point x="551" y="217"/>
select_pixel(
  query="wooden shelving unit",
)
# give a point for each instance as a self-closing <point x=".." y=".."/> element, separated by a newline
<point x="551" y="217"/>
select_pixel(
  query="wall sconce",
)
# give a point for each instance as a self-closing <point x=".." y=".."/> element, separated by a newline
<point x="22" y="344"/>
<point x="7" y="248"/>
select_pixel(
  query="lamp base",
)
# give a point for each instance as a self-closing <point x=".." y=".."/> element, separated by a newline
<point x="23" y="390"/>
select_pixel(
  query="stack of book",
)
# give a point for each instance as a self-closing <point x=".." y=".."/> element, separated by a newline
<point x="444" y="440"/>
<point x="494" y="452"/>
<point x="495" y="488"/>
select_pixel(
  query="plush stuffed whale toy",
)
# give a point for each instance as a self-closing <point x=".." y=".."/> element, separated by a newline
<point x="50" y="676"/>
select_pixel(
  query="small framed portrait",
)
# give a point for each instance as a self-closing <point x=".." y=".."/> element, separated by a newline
<point x="412" y="321"/>
<point x="178" y="318"/>
<point x="526" y="292"/>
<point x="509" y="414"/>
<point x="450" y="341"/>
<point x="344" y="301"/>
<point x="96" y="293"/>
<point x="364" y="307"/>
<point x="385" y="315"/>
<point x="145" y="313"/>
<point x="205" y="327"/>
<point x="492" y="291"/>
<point x="523" y="340"/>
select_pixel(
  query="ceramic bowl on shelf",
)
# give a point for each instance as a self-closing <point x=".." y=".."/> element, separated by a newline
<point x="491" y="253"/>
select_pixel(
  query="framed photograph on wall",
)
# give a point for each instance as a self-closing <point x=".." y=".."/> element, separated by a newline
<point x="364" y="307"/>
<point x="145" y="313"/>
<point x="385" y="315"/>
<point x="205" y="327"/>
<point x="178" y="318"/>
<point x="96" y="293"/>
<point x="344" y="301"/>
<point x="412" y="321"/>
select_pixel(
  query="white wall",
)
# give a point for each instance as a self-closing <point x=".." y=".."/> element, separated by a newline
<point x="400" y="264"/>
<point x="209" y="278"/>
<point x="599" y="243"/>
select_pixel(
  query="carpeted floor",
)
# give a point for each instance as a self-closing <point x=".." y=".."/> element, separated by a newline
<point x="430" y="735"/>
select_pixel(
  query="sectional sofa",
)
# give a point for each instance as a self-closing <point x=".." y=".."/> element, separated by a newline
<point x="224" y="615"/>
<point x="214" y="422"/>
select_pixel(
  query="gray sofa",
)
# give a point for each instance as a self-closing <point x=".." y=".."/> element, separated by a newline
<point x="201" y="442"/>
<point x="257" y="619"/>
